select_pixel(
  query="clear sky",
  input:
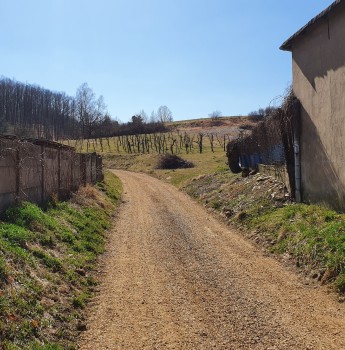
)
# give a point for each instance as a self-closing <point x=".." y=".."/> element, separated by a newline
<point x="195" y="56"/>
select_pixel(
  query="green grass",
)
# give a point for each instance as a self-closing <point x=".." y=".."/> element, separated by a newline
<point x="205" y="163"/>
<point x="312" y="235"/>
<point x="80" y="299"/>
<point x="111" y="186"/>
<point x="32" y="346"/>
<point x="47" y="259"/>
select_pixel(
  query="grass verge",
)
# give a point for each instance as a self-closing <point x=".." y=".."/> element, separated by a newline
<point x="47" y="261"/>
<point x="206" y="163"/>
<point x="310" y="236"/>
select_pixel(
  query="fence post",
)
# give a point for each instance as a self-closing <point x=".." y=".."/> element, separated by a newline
<point x="91" y="167"/>
<point x="83" y="168"/>
<point x="99" y="172"/>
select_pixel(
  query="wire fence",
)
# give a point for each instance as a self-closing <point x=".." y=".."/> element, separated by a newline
<point x="270" y="143"/>
<point x="36" y="170"/>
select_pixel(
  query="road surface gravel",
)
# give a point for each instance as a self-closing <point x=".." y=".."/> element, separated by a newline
<point x="173" y="277"/>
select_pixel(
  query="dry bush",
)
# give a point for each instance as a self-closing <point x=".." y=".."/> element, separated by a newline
<point x="89" y="196"/>
<point x="172" y="161"/>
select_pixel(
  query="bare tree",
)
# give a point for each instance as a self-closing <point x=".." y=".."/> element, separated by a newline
<point x="30" y="110"/>
<point x="262" y="112"/>
<point x="143" y="116"/>
<point x="258" y="114"/>
<point x="215" y="115"/>
<point x="164" y="114"/>
<point x="153" y="117"/>
<point x="90" y="111"/>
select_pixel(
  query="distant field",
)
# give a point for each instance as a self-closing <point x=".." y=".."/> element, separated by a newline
<point x="229" y="126"/>
<point x="204" y="163"/>
<point x="215" y="134"/>
<point x="186" y="139"/>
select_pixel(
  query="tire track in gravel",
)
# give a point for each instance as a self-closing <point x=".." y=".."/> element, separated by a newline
<point x="176" y="278"/>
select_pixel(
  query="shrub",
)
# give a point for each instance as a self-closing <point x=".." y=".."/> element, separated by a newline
<point x="172" y="161"/>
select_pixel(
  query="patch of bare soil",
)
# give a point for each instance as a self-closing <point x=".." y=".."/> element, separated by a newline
<point x="222" y="126"/>
<point x="175" y="278"/>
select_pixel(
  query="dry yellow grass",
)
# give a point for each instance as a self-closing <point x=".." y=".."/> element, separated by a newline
<point x="115" y="155"/>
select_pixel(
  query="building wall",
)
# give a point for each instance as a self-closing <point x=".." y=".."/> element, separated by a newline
<point x="319" y="83"/>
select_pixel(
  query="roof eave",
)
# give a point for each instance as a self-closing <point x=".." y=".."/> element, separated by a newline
<point x="287" y="45"/>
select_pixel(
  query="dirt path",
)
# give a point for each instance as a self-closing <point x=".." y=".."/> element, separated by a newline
<point x="175" y="278"/>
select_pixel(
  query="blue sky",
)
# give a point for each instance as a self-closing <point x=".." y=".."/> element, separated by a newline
<point x="195" y="56"/>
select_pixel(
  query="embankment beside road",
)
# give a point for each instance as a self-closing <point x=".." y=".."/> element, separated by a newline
<point x="309" y="236"/>
<point x="48" y="262"/>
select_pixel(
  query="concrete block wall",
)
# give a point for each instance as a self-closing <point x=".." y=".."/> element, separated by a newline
<point x="76" y="171"/>
<point x="34" y="170"/>
<point x="8" y="179"/>
<point x="51" y="171"/>
<point x="30" y="174"/>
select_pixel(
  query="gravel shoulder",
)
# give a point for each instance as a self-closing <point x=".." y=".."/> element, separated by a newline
<point x="174" y="277"/>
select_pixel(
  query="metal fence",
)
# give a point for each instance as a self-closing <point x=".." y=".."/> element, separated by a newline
<point x="34" y="170"/>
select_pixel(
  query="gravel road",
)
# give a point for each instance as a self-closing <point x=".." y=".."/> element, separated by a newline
<point x="174" y="277"/>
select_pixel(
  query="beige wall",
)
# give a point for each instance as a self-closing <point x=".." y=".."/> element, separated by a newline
<point x="319" y="83"/>
<point x="30" y="173"/>
<point x="34" y="172"/>
<point x="7" y="173"/>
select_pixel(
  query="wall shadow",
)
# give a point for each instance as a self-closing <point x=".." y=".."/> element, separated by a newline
<point x="320" y="181"/>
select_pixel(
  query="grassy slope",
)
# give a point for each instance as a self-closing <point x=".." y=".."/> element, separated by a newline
<point x="204" y="163"/>
<point x="311" y="236"/>
<point x="46" y="267"/>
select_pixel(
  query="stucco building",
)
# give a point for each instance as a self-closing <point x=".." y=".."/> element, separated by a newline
<point x="318" y="66"/>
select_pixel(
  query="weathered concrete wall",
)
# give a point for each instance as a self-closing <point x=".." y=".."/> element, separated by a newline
<point x="88" y="168"/>
<point x="8" y="165"/>
<point x="76" y="171"/>
<point x="65" y="172"/>
<point x="34" y="171"/>
<point x="30" y="173"/>
<point x="99" y="167"/>
<point x="319" y="83"/>
<point x="51" y="171"/>
<point x="93" y="168"/>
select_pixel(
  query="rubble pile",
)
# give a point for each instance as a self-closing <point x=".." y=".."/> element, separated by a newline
<point x="237" y="197"/>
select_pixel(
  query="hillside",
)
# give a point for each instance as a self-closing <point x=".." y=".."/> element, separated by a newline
<point x="222" y="125"/>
